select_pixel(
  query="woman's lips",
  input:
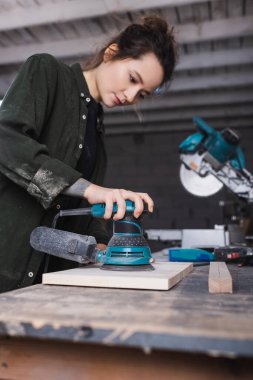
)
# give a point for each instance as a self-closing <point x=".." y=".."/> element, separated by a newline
<point x="117" y="100"/>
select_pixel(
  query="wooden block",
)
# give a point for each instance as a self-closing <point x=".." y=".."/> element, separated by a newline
<point x="219" y="280"/>
<point x="163" y="277"/>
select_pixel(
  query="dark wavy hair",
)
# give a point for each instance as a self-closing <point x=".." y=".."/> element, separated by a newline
<point x="151" y="35"/>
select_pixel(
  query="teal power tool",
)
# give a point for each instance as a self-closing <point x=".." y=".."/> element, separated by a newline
<point x="211" y="159"/>
<point x="228" y="254"/>
<point x="127" y="249"/>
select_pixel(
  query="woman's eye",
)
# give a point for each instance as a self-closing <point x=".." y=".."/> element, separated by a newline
<point x="132" y="79"/>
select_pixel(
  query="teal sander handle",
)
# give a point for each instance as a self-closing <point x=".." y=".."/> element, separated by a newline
<point x="97" y="210"/>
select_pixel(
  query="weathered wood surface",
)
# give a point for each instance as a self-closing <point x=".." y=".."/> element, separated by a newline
<point x="165" y="276"/>
<point x="27" y="359"/>
<point x="187" y="318"/>
<point x="219" y="279"/>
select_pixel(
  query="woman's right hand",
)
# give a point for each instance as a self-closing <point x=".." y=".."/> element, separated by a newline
<point x="98" y="194"/>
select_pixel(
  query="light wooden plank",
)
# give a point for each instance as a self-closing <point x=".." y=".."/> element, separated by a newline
<point x="165" y="276"/>
<point x="219" y="280"/>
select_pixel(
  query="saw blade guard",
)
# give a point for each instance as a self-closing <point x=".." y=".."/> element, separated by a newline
<point x="197" y="185"/>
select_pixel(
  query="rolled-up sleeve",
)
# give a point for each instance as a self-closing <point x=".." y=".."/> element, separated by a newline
<point x="23" y="114"/>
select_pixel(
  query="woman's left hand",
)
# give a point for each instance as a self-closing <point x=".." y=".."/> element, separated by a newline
<point x="99" y="194"/>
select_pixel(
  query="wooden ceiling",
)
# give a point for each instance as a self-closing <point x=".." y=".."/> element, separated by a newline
<point x="214" y="77"/>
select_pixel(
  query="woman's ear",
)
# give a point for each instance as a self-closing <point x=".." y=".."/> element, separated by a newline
<point x="110" y="52"/>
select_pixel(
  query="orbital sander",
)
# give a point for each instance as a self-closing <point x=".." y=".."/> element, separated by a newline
<point x="127" y="250"/>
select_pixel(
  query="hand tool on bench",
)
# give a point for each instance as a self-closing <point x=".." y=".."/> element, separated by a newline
<point x="126" y="250"/>
<point x="228" y="254"/>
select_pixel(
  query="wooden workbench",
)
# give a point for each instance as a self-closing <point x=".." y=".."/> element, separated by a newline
<point x="59" y="332"/>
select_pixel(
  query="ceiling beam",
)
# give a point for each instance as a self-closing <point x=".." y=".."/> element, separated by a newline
<point x="60" y="49"/>
<point x="185" y="100"/>
<point x="79" y="47"/>
<point x="226" y="80"/>
<point x="215" y="59"/>
<point x="179" y="126"/>
<point x="42" y="14"/>
<point x="216" y="29"/>
<point x="169" y="115"/>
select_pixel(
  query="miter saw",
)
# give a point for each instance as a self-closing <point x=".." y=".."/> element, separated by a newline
<point x="212" y="159"/>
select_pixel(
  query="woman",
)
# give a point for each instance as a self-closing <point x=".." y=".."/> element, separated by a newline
<point x="52" y="152"/>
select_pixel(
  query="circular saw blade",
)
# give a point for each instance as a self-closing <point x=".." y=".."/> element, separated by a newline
<point x="200" y="186"/>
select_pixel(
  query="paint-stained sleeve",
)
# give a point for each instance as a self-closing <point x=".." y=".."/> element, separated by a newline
<point x="23" y="113"/>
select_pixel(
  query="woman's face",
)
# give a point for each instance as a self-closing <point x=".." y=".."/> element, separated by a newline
<point x="127" y="81"/>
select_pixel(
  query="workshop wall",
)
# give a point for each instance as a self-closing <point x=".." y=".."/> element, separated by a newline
<point x="150" y="163"/>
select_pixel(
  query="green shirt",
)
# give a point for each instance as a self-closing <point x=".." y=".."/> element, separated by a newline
<point x="42" y="129"/>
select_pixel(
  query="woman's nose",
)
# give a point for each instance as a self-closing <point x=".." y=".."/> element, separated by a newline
<point x="131" y="95"/>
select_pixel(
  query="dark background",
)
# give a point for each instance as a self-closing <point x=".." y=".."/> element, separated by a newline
<point x="150" y="163"/>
